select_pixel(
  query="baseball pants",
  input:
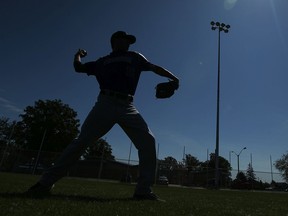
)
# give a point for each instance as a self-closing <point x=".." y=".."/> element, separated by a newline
<point x="107" y="112"/>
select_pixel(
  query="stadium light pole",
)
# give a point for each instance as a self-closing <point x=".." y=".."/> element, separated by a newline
<point x="225" y="28"/>
<point x="271" y="168"/>
<point x="238" y="156"/>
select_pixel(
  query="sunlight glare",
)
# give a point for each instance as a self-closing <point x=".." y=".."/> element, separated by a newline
<point x="277" y="23"/>
<point x="229" y="4"/>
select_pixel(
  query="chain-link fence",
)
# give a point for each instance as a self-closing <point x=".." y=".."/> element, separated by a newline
<point x="34" y="162"/>
<point x="263" y="176"/>
<point x="26" y="161"/>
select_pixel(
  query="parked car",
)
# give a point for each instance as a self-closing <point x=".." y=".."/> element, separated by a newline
<point x="163" y="180"/>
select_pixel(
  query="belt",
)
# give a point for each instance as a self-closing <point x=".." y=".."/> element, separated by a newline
<point x="117" y="95"/>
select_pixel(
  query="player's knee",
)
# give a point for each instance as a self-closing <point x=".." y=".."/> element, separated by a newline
<point x="151" y="140"/>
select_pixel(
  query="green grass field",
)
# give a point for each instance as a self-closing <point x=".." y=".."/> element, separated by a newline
<point x="88" y="197"/>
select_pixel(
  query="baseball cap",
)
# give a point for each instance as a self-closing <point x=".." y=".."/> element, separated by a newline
<point x="122" y="34"/>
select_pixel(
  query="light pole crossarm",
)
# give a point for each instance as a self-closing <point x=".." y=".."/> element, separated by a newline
<point x="238" y="156"/>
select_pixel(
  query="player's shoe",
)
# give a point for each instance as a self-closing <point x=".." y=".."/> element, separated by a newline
<point x="38" y="190"/>
<point x="149" y="196"/>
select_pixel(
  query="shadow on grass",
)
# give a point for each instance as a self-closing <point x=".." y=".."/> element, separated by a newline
<point x="81" y="198"/>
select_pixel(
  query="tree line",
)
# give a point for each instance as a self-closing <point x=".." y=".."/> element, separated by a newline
<point x="51" y="123"/>
<point x="55" y="124"/>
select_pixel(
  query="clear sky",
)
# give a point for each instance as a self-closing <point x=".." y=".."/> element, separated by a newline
<point x="40" y="38"/>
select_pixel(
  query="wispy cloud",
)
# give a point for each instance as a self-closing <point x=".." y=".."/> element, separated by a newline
<point x="9" y="105"/>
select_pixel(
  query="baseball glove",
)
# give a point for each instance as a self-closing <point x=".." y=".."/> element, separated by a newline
<point x="166" y="89"/>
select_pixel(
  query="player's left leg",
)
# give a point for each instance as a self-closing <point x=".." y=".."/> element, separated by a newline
<point x="136" y="128"/>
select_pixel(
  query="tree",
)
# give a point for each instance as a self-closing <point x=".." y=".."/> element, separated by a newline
<point x="241" y="177"/>
<point x="224" y="168"/>
<point x="6" y="129"/>
<point x="251" y="177"/>
<point x="7" y="144"/>
<point x="98" y="150"/>
<point x="171" y="161"/>
<point x="224" y="165"/>
<point x="168" y="163"/>
<point x="50" y="120"/>
<point x="282" y="165"/>
<point x="191" y="162"/>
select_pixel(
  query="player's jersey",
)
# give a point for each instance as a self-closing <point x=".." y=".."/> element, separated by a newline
<point x="119" y="71"/>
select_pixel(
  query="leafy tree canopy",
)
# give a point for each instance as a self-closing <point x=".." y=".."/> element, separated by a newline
<point x="6" y="129"/>
<point x="170" y="160"/>
<point x="223" y="163"/>
<point x="98" y="150"/>
<point x="52" y="118"/>
<point x="191" y="162"/>
<point x="282" y="165"/>
<point x="168" y="163"/>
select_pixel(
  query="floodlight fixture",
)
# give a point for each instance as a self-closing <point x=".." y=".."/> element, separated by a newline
<point x="221" y="27"/>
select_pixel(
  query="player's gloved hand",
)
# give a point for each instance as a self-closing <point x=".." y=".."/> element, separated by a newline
<point x="82" y="53"/>
<point x="166" y="89"/>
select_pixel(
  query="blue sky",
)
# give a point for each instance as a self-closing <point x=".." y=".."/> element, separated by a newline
<point x="39" y="39"/>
